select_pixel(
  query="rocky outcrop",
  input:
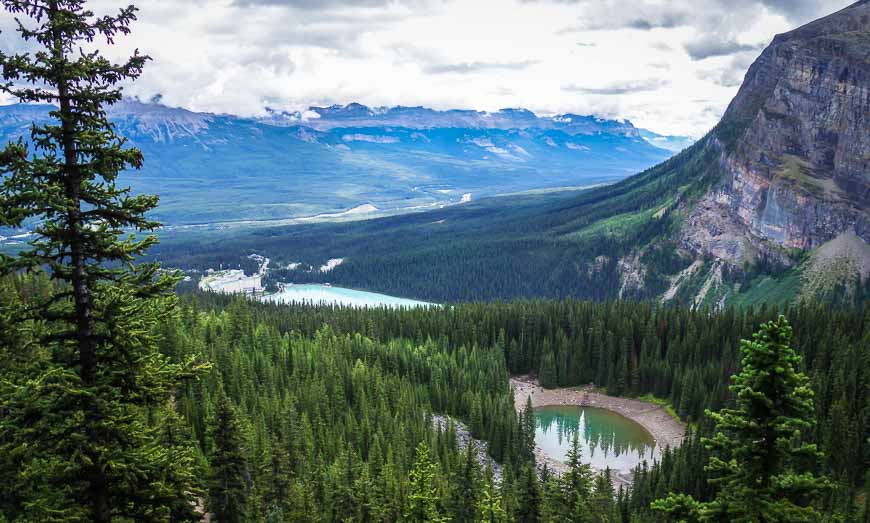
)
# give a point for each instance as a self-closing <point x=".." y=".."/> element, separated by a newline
<point x="843" y="261"/>
<point x="793" y="148"/>
<point x="633" y="275"/>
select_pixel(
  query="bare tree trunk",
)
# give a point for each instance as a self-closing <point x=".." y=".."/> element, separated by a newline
<point x="81" y="288"/>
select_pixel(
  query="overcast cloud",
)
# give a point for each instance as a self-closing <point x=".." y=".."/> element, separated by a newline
<point x="671" y="66"/>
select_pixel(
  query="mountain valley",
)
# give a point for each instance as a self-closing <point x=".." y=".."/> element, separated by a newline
<point x="223" y="170"/>
<point x="770" y="206"/>
<point x="379" y="314"/>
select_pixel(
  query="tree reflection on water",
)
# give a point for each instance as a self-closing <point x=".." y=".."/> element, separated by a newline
<point x="607" y="439"/>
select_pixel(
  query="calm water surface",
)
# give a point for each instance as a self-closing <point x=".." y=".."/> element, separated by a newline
<point x="606" y="438"/>
<point x="323" y="295"/>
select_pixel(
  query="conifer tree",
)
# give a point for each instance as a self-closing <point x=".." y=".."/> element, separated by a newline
<point x="230" y="478"/>
<point x="466" y="487"/>
<point x="490" y="508"/>
<point x="528" y="493"/>
<point x="577" y="480"/>
<point x="761" y="460"/>
<point x="75" y="418"/>
<point x="175" y="438"/>
<point x="601" y="503"/>
<point x="423" y="495"/>
<point x="548" y="375"/>
<point x="278" y="477"/>
<point x="528" y="426"/>
<point x="866" y="515"/>
<point x="303" y="506"/>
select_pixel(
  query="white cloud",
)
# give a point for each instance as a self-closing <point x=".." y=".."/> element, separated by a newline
<point x="632" y="87"/>
<point x="616" y="58"/>
<point x="711" y="45"/>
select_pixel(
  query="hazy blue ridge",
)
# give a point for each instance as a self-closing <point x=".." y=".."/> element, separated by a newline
<point x="211" y="168"/>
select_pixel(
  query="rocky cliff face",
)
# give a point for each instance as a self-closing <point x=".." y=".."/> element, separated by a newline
<point x="793" y="148"/>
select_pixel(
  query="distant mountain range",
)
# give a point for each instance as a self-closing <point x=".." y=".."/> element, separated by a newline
<point x="211" y="168"/>
<point x="357" y="115"/>
<point x="773" y="205"/>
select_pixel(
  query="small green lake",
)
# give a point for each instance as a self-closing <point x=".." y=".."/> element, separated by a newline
<point x="606" y="438"/>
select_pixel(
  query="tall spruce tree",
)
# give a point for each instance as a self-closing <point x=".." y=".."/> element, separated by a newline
<point x="528" y="495"/>
<point x="577" y="480"/>
<point x="230" y="479"/>
<point x="75" y="417"/>
<point x="423" y="492"/>
<point x="761" y="461"/>
<point x="465" y="487"/>
<point x="548" y="375"/>
<point x="490" y="508"/>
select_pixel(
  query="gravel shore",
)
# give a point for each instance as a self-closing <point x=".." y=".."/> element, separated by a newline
<point x="665" y="430"/>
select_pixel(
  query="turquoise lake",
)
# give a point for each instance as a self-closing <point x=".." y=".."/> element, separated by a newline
<point x="323" y="295"/>
<point x="606" y="439"/>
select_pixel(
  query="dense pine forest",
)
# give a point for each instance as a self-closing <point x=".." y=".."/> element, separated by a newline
<point x="301" y="413"/>
<point x="123" y="400"/>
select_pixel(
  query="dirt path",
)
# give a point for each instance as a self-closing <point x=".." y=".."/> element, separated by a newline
<point x="665" y="430"/>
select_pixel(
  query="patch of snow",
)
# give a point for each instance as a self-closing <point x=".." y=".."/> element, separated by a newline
<point x="331" y="264"/>
<point x="306" y="136"/>
<point x="517" y="149"/>
<point x="488" y="145"/>
<point x="310" y="115"/>
<point x="369" y="138"/>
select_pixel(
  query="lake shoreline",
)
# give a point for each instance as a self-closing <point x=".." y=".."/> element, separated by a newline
<point x="664" y="429"/>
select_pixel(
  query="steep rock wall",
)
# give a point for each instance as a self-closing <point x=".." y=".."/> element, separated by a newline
<point x="794" y="147"/>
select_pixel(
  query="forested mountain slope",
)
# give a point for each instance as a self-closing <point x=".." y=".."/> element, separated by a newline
<point x="771" y="205"/>
<point x="319" y="413"/>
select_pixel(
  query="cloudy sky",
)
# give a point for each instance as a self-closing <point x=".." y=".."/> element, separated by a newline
<point x="668" y="65"/>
